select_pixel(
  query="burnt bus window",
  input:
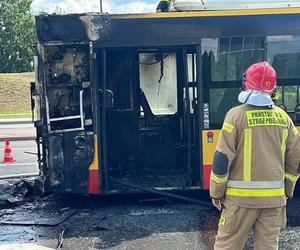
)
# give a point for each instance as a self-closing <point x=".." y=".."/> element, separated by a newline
<point x="284" y="55"/>
<point x="225" y="60"/>
<point x="119" y="78"/>
<point x="158" y="80"/>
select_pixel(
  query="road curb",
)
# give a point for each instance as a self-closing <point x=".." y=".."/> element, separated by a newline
<point x="7" y="122"/>
<point x="3" y="177"/>
<point x="26" y="138"/>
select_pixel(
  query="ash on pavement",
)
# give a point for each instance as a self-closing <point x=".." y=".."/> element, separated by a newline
<point x="121" y="222"/>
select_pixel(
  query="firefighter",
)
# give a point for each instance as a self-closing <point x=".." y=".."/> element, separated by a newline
<point x="163" y="6"/>
<point x="255" y="166"/>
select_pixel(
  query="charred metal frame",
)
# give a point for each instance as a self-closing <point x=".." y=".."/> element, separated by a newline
<point x="187" y="115"/>
<point x="200" y="122"/>
<point x="80" y="116"/>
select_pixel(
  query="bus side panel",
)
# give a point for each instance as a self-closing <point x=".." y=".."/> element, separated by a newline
<point x="70" y="158"/>
<point x="209" y="142"/>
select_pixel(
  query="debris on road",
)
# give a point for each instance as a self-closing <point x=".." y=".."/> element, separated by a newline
<point x="48" y="221"/>
<point x="156" y="201"/>
<point x="13" y="193"/>
<point x="61" y="239"/>
<point x="30" y="153"/>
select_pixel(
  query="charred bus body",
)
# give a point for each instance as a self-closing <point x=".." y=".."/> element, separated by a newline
<point x="140" y="99"/>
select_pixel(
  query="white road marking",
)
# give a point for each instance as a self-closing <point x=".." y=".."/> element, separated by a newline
<point x="17" y="164"/>
<point x="13" y="149"/>
<point x="20" y="127"/>
<point x="19" y="175"/>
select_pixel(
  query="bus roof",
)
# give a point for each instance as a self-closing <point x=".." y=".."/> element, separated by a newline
<point x="209" y="13"/>
<point x="186" y="5"/>
<point x="166" y="29"/>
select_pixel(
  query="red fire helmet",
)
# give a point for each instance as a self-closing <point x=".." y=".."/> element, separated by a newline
<point x="261" y="77"/>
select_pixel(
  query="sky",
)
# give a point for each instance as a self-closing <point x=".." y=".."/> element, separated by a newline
<point x="81" y="6"/>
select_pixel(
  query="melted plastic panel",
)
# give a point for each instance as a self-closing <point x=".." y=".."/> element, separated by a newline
<point x="72" y="28"/>
<point x="69" y="158"/>
<point x="54" y="173"/>
<point x="67" y="122"/>
<point x="60" y="28"/>
<point x="78" y="157"/>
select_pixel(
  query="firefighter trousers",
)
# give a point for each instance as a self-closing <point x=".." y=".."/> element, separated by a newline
<point x="236" y="222"/>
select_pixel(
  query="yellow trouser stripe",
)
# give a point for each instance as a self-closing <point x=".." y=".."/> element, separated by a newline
<point x="291" y="177"/>
<point x="255" y="184"/>
<point x="255" y="192"/>
<point x="219" y="180"/>
<point x="247" y="154"/>
<point x="227" y="127"/>
<point x="283" y="143"/>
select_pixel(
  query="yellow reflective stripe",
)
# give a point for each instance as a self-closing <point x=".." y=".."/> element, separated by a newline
<point x="295" y="131"/>
<point x="167" y="1"/>
<point x="222" y="220"/>
<point x="283" y="142"/>
<point x="247" y="154"/>
<point x="266" y="118"/>
<point x="291" y="177"/>
<point x="255" y="192"/>
<point x="227" y="127"/>
<point x="255" y="184"/>
<point x="219" y="180"/>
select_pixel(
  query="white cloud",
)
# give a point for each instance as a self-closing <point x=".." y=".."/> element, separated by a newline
<point x="83" y="6"/>
<point x="68" y="6"/>
<point x="135" y="7"/>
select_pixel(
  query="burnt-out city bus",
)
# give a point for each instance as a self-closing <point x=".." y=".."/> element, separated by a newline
<point x="139" y="99"/>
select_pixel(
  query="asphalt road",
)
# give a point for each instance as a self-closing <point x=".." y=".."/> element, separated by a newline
<point x="25" y="160"/>
<point x="123" y="222"/>
<point x="21" y="134"/>
<point x="16" y="130"/>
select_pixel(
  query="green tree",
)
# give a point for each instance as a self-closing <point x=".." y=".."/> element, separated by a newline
<point x="16" y="36"/>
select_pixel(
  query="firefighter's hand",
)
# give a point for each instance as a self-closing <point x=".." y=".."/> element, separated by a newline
<point x="218" y="203"/>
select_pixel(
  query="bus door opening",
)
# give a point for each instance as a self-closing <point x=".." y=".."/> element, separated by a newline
<point x="151" y="125"/>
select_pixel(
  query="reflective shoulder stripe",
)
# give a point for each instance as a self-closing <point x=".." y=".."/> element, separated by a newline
<point x="219" y="180"/>
<point x="291" y="177"/>
<point x="167" y="1"/>
<point x="283" y="142"/>
<point x="255" y="184"/>
<point x="255" y="193"/>
<point x="227" y="127"/>
<point x="247" y="154"/>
